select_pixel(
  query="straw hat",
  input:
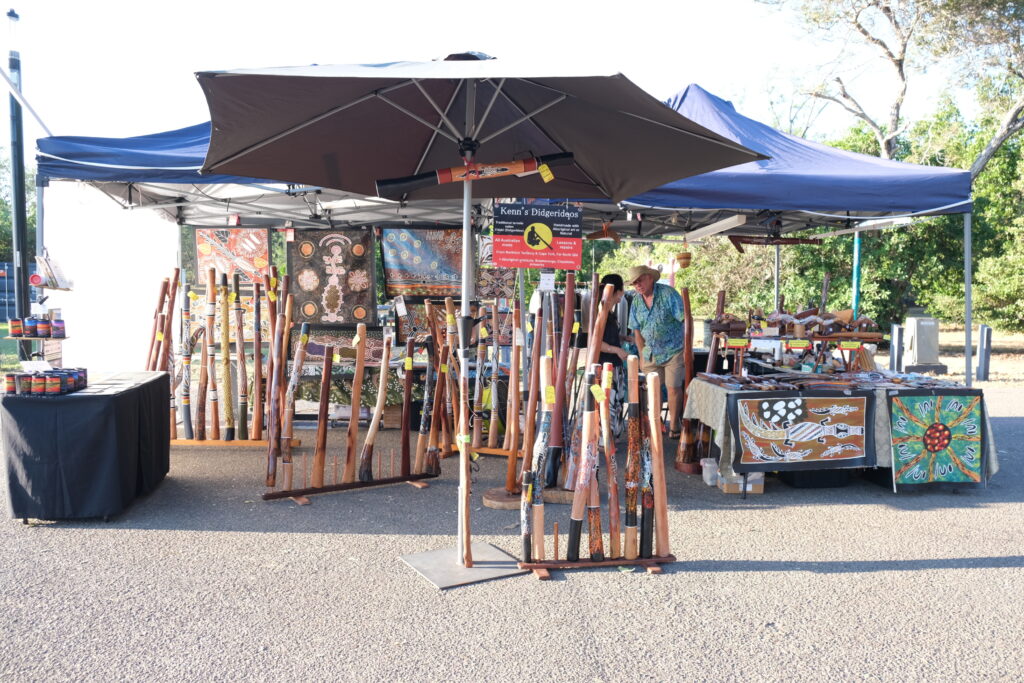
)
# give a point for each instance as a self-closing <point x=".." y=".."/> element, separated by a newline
<point x="637" y="272"/>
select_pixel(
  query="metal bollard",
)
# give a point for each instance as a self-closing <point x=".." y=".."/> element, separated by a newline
<point x="896" y="349"/>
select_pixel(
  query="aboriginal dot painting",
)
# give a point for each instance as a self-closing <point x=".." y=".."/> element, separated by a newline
<point x="816" y="430"/>
<point x="333" y="277"/>
<point x="936" y="438"/>
<point x="422" y="262"/>
<point x="245" y="251"/>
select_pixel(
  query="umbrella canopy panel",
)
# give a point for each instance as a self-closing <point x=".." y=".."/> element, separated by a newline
<point x="346" y="127"/>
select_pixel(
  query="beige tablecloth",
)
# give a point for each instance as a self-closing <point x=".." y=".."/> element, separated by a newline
<point x="707" y="402"/>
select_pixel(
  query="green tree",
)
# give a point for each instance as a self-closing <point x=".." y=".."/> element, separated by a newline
<point x="6" y="209"/>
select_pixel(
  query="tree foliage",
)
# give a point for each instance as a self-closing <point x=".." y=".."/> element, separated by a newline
<point x="7" y="209"/>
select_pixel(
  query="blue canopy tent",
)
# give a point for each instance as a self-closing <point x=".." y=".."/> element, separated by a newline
<point x="803" y="184"/>
<point x="161" y="171"/>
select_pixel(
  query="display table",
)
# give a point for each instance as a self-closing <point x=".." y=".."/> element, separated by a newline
<point x="709" y="403"/>
<point x="90" y="453"/>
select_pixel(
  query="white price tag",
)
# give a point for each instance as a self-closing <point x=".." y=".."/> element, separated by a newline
<point x="547" y="282"/>
<point x="400" y="306"/>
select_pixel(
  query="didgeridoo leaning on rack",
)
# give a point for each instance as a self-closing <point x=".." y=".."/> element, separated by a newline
<point x="540" y="451"/>
<point x="186" y="363"/>
<point x="492" y="427"/>
<point x="225" y="359"/>
<point x="320" y="450"/>
<point x="166" y="359"/>
<point x="270" y="285"/>
<point x="366" y="456"/>
<point x="608" y="442"/>
<point x="289" y="411"/>
<point x="478" y="382"/>
<point x="556" y="442"/>
<point x="686" y="453"/>
<point x="257" y="366"/>
<point x="201" y="392"/>
<point x="164" y="284"/>
<point x="588" y="462"/>
<point x="426" y="412"/>
<point x="432" y="464"/>
<point x="211" y="351"/>
<point x="660" y="493"/>
<point x="646" y="485"/>
<point x="273" y="421"/>
<point x="349" y="472"/>
<point x="526" y="517"/>
<point x="533" y="395"/>
<point x="512" y="411"/>
<point x="405" y="463"/>
<point x="633" y="445"/>
<point x="243" y="379"/>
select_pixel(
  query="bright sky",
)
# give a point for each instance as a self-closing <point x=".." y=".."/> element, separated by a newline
<point x="115" y="68"/>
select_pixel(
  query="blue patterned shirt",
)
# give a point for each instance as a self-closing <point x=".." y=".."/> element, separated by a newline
<point x="661" y="325"/>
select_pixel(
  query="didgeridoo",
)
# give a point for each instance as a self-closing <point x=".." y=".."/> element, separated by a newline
<point x="320" y="451"/>
<point x="289" y="410"/>
<point x="164" y="284"/>
<point x="211" y="351"/>
<point x="525" y="517"/>
<point x="396" y="188"/>
<point x="425" y="413"/>
<point x="257" y="366"/>
<point x="349" y="473"/>
<point x="556" y="443"/>
<point x="588" y="462"/>
<point x="186" y="363"/>
<point x="366" y="456"/>
<point x="661" y="547"/>
<point x="273" y="423"/>
<point x="540" y="456"/>
<point x="633" y="445"/>
<point x="225" y="359"/>
<point x="243" y="379"/>
<point x="405" y="462"/>
<point x="608" y="441"/>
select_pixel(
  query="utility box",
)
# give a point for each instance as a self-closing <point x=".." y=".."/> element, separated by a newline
<point x="921" y="346"/>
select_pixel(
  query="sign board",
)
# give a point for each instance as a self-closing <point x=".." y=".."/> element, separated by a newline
<point x="538" y="236"/>
<point x="849" y="345"/>
<point x="737" y="343"/>
<point x="547" y="282"/>
<point x="798" y="344"/>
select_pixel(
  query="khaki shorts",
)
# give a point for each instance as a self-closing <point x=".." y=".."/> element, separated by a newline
<point x="671" y="373"/>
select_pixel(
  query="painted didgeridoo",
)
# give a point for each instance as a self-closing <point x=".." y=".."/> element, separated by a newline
<point x="349" y="473"/>
<point x="366" y="456"/>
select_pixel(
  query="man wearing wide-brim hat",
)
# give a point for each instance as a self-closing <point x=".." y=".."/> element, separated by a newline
<point x="656" y="318"/>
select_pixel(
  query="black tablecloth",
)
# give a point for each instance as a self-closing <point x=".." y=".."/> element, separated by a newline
<point x="90" y="453"/>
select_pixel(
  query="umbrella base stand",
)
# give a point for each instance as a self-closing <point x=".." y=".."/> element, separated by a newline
<point x="442" y="567"/>
<point x="500" y="499"/>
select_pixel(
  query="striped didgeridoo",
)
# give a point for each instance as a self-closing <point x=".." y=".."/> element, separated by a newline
<point x="608" y="443"/>
<point x="257" y="365"/>
<point x="556" y="443"/>
<point x="201" y="393"/>
<point x="532" y="399"/>
<point x="633" y="445"/>
<point x="646" y="485"/>
<point x="366" y="455"/>
<point x="512" y="410"/>
<point x="540" y="453"/>
<point x="270" y="285"/>
<point x="452" y="338"/>
<point x="289" y="411"/>
<point x="211" y="351"/>
<point x="320" y="450"/>
<point x="243" y="379"/>
<point x="349" y="471"/>
<point x="478" y="383"/>
<point x="225" y="358"/>
<point x="426" y="412"/>
<point x="588" y="462"/>
<point x="495" y="354"/>
<point x="405" y="464"/>
<point x="433" y="455"/>
<point x="273" y="423"/>
<point x="186" y="363"/>
<point x="525" y="516"/>
<point x="164" y="284"/>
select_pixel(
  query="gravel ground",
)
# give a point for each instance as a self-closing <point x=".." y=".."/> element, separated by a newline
<point x="202" y="580"/>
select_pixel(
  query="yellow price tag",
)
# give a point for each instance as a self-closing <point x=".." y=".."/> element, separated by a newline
<point x="545" y="173"/>
<point x="550" y="354"/>
<point x="450" y="319"/>
<point x="273" y="283"/>
<point x="304" y="339"/>
<point x="466" y="438"/>
<point x="337" y="358"/>
<point x="529" y="492"/>
<point x="598" y="393"/>
<point x="408" y="363"/>
<point x="232" y="297"/>
<point x="529" y="326"/>
<point x="192" y="295"/>
<point x="444" y="368"/>
<point x="549" y="395"/>
<point x="849" y="345"/>
<point x="484" y="333"/>
<point x="608" y="377"/>
<point x="159" y="336"/>
<point x="575" y="326"/>
<point x="272" y="295"/>
<point x="355" y="341"/>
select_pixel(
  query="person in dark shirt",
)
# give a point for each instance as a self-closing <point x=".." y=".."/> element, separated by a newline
<point x="611" y="344"/>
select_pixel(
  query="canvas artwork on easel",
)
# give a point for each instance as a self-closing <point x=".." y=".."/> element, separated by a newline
<point x="937" y="437"/>
<point x="333" y="277"/>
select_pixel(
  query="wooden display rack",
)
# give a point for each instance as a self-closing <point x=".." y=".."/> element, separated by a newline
<point x="542" y="570"/>
<point x="247" y="443"/>
<point x="415" y="480"/>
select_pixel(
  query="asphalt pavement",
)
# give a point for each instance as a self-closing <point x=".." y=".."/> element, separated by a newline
<point x="202" y="580"/>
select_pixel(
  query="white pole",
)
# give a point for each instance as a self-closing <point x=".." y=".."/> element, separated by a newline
<point x="967" y="299"/>
<point x="778" y="260"/>
<point x="468" y="289"/>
